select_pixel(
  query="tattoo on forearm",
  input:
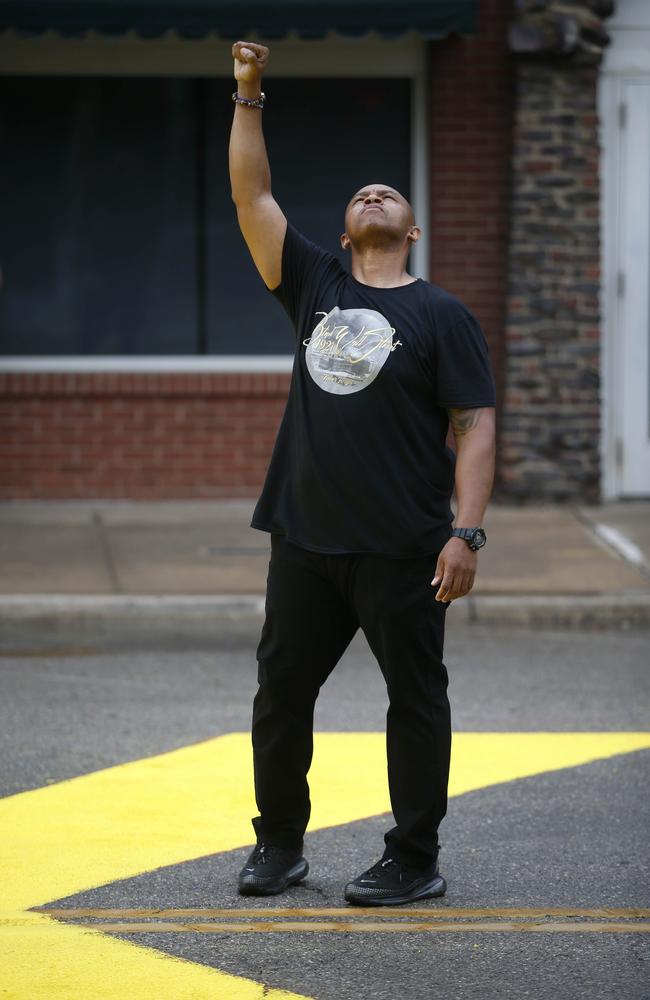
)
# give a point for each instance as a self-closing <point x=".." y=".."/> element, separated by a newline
<point x="464" y="420"/>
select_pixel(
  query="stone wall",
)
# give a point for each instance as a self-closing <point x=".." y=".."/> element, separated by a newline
<point x="550" y="421"/>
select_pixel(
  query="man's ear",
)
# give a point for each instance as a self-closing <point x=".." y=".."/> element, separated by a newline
<point x="414" y="234"/>
<point x="345" y="241"/>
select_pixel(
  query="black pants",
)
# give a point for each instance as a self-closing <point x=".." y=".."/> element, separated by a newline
<point x="314" y="605"/>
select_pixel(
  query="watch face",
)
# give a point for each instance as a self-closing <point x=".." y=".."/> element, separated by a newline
<point x="479" y="538"/>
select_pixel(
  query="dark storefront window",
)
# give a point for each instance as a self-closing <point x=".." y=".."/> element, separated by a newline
<point x="118" y="234"/>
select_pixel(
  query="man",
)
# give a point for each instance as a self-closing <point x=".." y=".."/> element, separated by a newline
<point x="357" y="503"/>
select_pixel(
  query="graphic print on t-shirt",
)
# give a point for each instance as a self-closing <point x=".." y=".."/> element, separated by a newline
<point x="348" y="348"/>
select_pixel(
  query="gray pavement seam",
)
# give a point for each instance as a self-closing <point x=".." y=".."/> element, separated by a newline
<point x="105" y="549"/>
<point x="605" y="536"/>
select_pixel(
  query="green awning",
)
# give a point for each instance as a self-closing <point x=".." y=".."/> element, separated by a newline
<point x="233" y="19"/>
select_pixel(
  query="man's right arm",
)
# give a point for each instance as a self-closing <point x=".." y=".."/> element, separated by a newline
<point x="261" y="220"/>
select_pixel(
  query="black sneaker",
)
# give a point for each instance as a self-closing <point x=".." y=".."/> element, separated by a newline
<point x="270" y="870"/>
<point x="389" y="883"/>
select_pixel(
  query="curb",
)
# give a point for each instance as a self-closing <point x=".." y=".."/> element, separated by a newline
<point x="581" y="611"/>
<point x="142" y="611"/>
<point x="130" y="607"/>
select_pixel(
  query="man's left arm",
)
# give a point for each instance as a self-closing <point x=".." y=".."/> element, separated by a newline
<point x="475" y="434"/>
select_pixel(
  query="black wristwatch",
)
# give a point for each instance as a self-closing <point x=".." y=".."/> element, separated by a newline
<point x="475" y="537"/>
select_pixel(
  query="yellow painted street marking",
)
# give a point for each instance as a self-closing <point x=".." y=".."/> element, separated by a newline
<point x="270" y="920"/>
<point x="42" y="959"/>
<point x="372" y="927"/>
<point x="198" y="800"/>
<point x="436" y="911"/>
<point x="123" y="821"/>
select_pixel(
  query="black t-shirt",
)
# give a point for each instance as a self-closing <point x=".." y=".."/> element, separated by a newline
<point x="360" y="462"/>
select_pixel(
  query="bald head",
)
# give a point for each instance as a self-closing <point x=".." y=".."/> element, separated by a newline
<point x="379" y="216"/>
<point x="382" y="192"/>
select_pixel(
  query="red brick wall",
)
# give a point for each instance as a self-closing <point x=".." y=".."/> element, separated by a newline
<point x="137" y="436"/>
<point x="470" y="138"/>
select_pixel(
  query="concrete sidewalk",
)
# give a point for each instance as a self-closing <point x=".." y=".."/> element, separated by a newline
<point x="183" y="560"/>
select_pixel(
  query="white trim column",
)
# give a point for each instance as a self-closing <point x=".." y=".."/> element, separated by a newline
<point x="625" y="309"/>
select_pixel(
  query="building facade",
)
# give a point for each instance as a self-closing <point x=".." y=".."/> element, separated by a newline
<point x="140" y="355"/>
<point x="576" y="418"/>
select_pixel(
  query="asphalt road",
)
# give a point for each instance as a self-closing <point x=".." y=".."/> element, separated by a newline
<point x="576" y="837"/>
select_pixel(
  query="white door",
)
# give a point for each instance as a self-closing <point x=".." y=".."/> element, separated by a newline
<point x="632" y="336"/>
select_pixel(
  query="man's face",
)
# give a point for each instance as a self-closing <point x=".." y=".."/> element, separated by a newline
<point x="378" y="214"/>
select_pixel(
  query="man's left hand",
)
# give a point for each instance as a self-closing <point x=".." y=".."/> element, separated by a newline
<point x="455" y="570"/>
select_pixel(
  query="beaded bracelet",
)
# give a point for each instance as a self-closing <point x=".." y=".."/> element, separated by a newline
<point x="250" y="102"/>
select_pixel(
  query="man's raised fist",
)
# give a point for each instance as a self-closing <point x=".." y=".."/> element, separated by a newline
<point x="250" y="61"/>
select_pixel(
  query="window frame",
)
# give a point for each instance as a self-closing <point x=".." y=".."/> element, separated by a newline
<point x="333" y="56"/>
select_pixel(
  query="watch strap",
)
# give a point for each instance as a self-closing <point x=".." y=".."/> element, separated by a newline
<point x="470" y="535"/>
<point x="464" y="532"/>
